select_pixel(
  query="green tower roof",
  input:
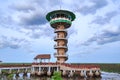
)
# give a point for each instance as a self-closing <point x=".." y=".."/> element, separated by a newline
<point x="60" y="11"/>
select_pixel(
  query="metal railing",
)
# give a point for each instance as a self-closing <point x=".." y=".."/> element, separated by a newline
<point x="60" y="46"/>
<point x="60" y="37"/>
<point x="57" y="30"/>
<point x="59" y="55"/>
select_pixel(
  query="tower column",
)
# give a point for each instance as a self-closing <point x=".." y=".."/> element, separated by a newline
<point x="61" y="44"/>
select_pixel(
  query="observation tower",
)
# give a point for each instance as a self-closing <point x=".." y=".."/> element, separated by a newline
<point x="60" y="20"/>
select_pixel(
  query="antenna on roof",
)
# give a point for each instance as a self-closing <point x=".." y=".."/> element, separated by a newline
<point x="60" y="4"/>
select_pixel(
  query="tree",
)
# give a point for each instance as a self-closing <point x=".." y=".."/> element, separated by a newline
<point x="10" y="76"/>
<point x="56" y="76"/>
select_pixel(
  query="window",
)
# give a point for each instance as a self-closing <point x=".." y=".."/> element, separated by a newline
<point x="58" y="15"/>
<point x="53" y="16"/>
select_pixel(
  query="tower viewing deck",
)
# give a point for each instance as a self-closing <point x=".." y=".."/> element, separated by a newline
<point x="60" y="17"/>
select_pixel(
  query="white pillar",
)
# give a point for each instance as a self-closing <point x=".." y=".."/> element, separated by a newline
<point x="0" y="71"/>
<point x="39" y="68"/>
<point x="39" y="60"/>
<point x="90" y="71"/>
<point x="74" y="71"/>
<point x="48" y="69"/>
<point x="57" y="69"/>
<point x="32" y="69"/>
<point x="26" y="69"/>
<point x="44" y="60"/>
<point x="10" y="70"/>
<point x="18" y="70"/>
<point x="48" y="60"/>
<point x="71" y="73"/>
<point x="84" y="72"/>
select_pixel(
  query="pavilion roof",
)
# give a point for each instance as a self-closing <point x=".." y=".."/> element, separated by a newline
<point x="43" y="56"/>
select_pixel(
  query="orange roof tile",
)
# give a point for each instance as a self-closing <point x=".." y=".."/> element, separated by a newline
<point x="43" y="56"/>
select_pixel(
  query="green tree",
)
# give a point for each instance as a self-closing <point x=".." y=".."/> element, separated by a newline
<point x="10" y="76"/>
<point x="56" y="76"/>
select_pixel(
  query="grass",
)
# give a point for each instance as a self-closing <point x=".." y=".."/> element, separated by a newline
<point x="107" y="67"/>
<point x="110" y="67"/>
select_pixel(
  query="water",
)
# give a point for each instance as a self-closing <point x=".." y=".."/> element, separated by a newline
<point x="105" y="76"/>
<point x="110" y="76"/>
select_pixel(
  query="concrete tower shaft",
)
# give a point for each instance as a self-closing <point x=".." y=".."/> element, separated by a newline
<point x="60" y="20"/>
<point x="61" y="44"/>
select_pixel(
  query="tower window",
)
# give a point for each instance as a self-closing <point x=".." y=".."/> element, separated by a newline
<point x="53" y="16"/>
<point x="58" y="15"/>
<point x="62" y="15"/>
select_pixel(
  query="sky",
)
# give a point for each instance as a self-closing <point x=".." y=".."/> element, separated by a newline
<point x="94" y="36"/>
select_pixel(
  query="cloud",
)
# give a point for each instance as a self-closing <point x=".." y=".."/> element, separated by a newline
<point x="27" y="14"/>
<point x="3" y="42"/>
<point x="12" y="42"/>
<point x="6" y="21"/>
<point x="106" y="19"/>
<point x="109" y="36"/>
<point x="33" y="18"/>
<point x="94" y="6"/>
<point x="22" y="6"/>
<point x="36" y="32"/>
<point x="48" y="3"/>
<point x="105" y="37"/>
<point x="72" y="31"/>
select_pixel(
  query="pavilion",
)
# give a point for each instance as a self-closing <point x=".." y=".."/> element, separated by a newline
<point x="42" y="58"/>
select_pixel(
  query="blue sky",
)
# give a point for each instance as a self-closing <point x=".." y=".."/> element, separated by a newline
<point x="94" y="36"/>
